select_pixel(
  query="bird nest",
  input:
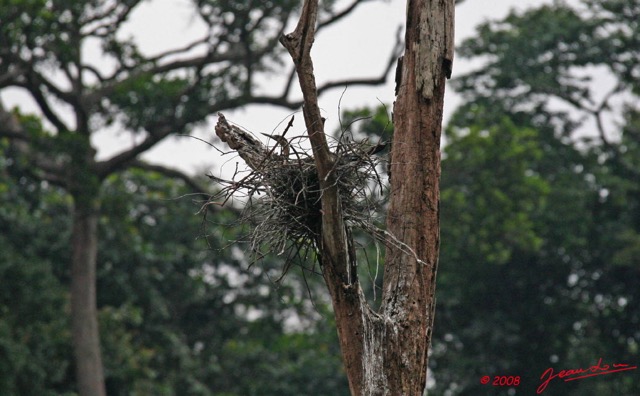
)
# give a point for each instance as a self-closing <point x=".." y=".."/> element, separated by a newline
<point x="282" y="193"/>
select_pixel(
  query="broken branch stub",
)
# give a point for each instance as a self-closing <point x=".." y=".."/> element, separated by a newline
<point x="250" y="149"/>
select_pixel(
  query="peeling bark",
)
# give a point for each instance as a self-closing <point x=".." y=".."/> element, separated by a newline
<point x="433" y="44"/>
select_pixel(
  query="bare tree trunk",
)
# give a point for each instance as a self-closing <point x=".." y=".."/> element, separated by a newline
<point x="84" y="316"/>
<point x="385" y="353"/>
<point x="408" y="299"/>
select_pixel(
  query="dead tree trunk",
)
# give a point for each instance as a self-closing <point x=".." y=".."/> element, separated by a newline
<point x="384" y="352"/>
<point x="413" y="216"/>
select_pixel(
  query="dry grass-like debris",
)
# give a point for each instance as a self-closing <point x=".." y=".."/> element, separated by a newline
<point x="282" y="192"/>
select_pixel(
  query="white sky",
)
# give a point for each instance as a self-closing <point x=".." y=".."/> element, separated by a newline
<point x="357" y="46"/>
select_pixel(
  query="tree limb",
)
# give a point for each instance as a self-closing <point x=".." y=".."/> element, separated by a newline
<point x="235" y="54"/>
<point x="43" y="104"/>
<point x="93" y="71"/>
<point x="335" y="243"/>
<point x="11" y="128"/>
<point x="185" y="49"/>
<point x="51" y="87"/>
<point x="282" y="100"/>
<point x="110" y="26"/>
<point x="380" y="79"/>
<point x="10" y="77"/>
<point x="616" y="154"/>
<point x="170" y="173"/>
<point x="120" y="161"/>
<point x="338" y="16"/>
<point x="299" y="44"/>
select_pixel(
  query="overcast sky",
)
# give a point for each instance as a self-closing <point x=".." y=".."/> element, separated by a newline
<point x="358" y="46"/>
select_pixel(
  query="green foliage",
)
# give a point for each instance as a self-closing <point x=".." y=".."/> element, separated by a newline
<point x="498" y="190"/>
<point x="539" y="221"/>
<point x="373" y="124"/>
<point x="194" y="321"/>
<point x="290" y="364"/>
<point x="33" y="28"/>
<point x="540" y="224"/>
<point x="146" y="97"/>
<point x="499" y="264"/>
<point x="555" y="52"/>
<point x="34" y="329"/>
<point x="177" y="316"/>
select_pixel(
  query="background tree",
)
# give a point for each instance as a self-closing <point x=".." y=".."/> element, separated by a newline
<point x="175" y="318"/>
<point x="34" y="332"/>
<point x="539" y="198"/>
<point x="43" y="51"/>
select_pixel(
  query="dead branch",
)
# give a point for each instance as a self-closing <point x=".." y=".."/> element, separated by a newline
<point x="299" y="44"/>
<point x="250" y="149"/>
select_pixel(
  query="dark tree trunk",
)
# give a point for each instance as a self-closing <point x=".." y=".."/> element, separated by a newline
<point x="84" y="316"/>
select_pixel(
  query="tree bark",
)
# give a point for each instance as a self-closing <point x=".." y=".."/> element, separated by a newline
<point x="408" y="300"/>
<point x="84" y="315"/>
